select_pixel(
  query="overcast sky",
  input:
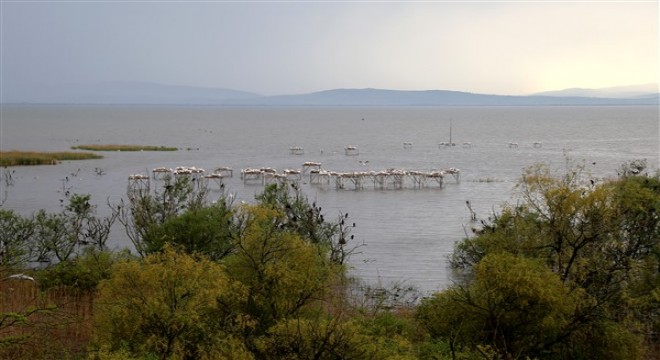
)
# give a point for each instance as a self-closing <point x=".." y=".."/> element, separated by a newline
<point x="297" y="47"/>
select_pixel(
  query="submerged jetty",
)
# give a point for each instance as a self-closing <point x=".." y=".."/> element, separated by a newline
<point x="313" y="172"/>
<point x="140" y="183"/>
<point x="353" y="180"/>
<point x="383" y="179"/>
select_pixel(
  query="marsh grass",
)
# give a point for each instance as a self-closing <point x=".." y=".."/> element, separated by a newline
<point x="61" y="328"/>
<point x="116" y="147"/>
<point x="16" y="158"/>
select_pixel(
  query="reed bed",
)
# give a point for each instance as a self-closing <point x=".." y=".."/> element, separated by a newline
<point x="17" y="158"/>
<point x="116" y="147"/>
<point x="58" y="325"/>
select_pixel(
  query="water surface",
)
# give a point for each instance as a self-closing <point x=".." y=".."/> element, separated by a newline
<point x="407" y="233"/>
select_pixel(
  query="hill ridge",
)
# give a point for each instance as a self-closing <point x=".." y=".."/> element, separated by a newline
<point x="144" y="93"/>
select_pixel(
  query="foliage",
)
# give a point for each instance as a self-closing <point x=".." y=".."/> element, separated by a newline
<point x="242" y="277"/>
<point x="208" y="230"/>
<point x="83" y="272"/>
<point x="161" y="306"/>
<point x="38" y="307"/>
<point x="278" y="270"/>
<point x="633" y="168"/>
<point x="599" y="238"/>
<point x="316" y="339"/>
<point x="282" y="273"/>
<point x="47" y="237"/>
<point x="516" y="305"/>
<point x="145" y="210"/>
<point x="10" y="322"/>
<point x="379" y="298"/>
<point x="392" y="334"/>
<point x="15" y="240"/>
<point x="61" y="236"/>
<point x="308" y="221"/>
<point x="339" y="336"/>
<point x="571" y="271"/>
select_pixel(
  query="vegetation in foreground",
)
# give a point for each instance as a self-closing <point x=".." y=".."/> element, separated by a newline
<point x="19" y="158"/>
<point x="115" y="147"/>
<point x="572" y="271"/>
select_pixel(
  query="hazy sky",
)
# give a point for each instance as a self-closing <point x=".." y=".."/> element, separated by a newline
<point x="295" y="47"/>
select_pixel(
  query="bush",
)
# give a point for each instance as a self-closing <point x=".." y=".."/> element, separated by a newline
<point x="161" y="306"/>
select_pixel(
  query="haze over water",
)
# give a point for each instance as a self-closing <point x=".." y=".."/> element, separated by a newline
<point x="408" y="233"/>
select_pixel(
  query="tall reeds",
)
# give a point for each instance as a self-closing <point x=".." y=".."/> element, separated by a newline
<point x="17" y="158"/>
<point x="49" y="324"/>
<point x="115" y="147"/>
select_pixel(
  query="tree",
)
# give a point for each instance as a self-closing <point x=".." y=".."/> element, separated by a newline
<point x="62" y="236"/>
<point x="515" y="306"/>
<point x="318" y="338"/>
<point x="84" y="272"/>
<point x="308" y="221"/>
<point x="90" y="230"/>
<point x="176" y="305"/>
<point x="207" y="230"/>
<point x="163" y="306"/>
<point x="283" y="274"/>
<point x="146" y="210"/>
<point x="72" y="243"/>
<point x="45" y="237"/>
<point x="15" y="240"/>
<point x="598" y="237"/>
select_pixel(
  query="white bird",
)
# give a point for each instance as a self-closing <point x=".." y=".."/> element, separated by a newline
<point x="20" y="277"/>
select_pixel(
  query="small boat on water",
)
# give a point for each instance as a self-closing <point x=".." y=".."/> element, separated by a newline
<point x="450" y="143"/>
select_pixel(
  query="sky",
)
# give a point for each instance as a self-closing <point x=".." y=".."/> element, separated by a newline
<point x="294" y="47"/>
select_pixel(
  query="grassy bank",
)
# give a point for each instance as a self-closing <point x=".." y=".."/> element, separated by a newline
<point x="16" y="158"/>
<point x="115" y="147"/>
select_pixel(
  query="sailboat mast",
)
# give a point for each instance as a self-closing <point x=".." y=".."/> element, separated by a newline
<point x="450" y="126"/>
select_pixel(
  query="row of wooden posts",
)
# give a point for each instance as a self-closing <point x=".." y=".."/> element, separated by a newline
<point x="312" y="171"/>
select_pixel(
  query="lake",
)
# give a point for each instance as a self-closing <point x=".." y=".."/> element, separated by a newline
<point x="407" y="233"/>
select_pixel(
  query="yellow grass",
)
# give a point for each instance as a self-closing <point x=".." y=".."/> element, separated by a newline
<point x="16" y="158"/>
<point x="116" y="147"/>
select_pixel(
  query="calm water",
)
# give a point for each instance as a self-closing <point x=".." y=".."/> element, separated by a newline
<point x="408" y="233"/>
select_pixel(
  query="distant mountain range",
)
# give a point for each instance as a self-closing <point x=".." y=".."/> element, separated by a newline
<point x="124" y="93"/>
<point x="133" y="93"/>
<point x="634" y="91"/>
